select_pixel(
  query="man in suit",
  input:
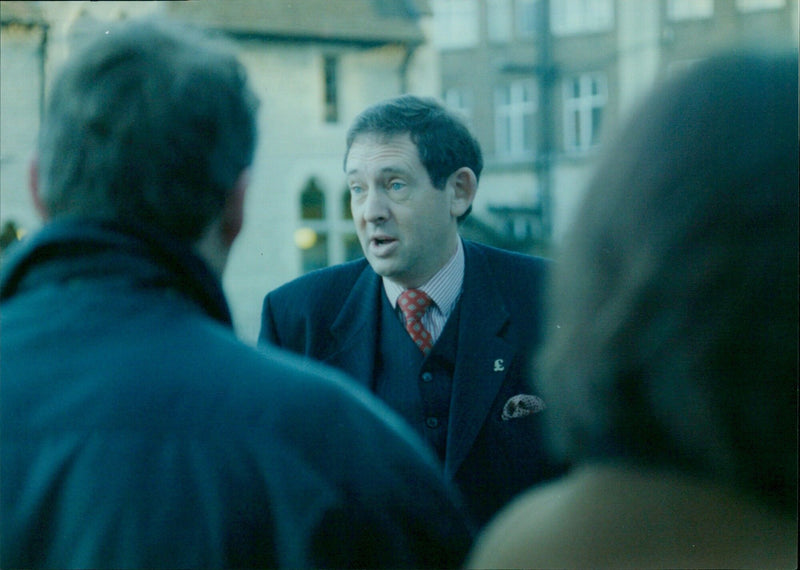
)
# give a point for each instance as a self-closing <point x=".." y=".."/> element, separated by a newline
<point x="137" y="431"/>
<point x="438" y="327"/>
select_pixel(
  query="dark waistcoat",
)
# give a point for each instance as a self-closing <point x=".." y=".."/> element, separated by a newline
<point x="417" y="387"/>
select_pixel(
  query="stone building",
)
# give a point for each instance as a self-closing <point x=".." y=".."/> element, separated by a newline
<point x="542" y="81"/>
<point x="314" y="64"/>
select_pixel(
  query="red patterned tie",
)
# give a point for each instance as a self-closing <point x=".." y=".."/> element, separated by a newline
<point x="414" y="303"/>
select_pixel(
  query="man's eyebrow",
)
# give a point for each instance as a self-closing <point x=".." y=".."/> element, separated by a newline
<point x="394" y="170"/>
<point x="383" y="171"/>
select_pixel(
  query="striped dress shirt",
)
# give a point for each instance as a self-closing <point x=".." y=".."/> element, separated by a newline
<point x="444" y="289"/>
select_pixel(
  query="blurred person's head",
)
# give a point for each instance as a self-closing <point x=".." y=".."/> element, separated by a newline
<point x="672" y="339"/>
<point x="149" y="124"/>
<point x="412" y="168"/>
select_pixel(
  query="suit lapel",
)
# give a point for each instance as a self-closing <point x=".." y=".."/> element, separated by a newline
<point x="354" y="329"/>
<point x="483" y="358"/>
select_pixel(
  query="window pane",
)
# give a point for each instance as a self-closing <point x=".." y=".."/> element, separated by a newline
<point x="595" y="83"/>
<point x="597" y="121"/>
<point x="527" y="18"/>
<point x="455" y="23"/>
<point x="331" y="90"/>
<point x="689" y="9"/>
<point x="585" y="98"/>
<point x="316" y="256"/>
<point x="528" y="134"/>
<point x="515" y="129"/>
<point x="499" y="20"/>
<point x="576" y="125"/>
<point x="576" y="16"/>
<point x="312" y="202"/>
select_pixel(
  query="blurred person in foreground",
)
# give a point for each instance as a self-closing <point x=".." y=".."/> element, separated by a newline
<point x="438" y="327"/>
<point x="137" y="431"/>
<point x="670" y="361"/>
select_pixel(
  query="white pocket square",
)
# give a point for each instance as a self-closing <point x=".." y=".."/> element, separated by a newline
<point x="522" y="405"/>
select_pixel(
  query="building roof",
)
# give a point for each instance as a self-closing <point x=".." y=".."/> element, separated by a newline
<point x="369" y="22"/>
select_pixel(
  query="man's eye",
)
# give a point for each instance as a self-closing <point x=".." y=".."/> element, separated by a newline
<point x="355" y="189"/>
<point x="396" y="186"/>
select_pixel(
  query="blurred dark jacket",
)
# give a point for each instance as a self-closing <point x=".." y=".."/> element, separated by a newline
<point x="137" y="431"/>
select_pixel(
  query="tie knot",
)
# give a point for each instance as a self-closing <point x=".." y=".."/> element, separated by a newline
<point x="413" y="303"/>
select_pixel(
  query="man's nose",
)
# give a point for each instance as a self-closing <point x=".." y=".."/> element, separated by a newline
<point x="375" y="206"/>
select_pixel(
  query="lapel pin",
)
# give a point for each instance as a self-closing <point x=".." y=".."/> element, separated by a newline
<point x="498" y="365"/>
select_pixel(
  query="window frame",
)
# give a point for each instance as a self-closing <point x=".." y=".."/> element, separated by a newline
<point x="510" y="119"/>
<point x="581" y="135"/>
<point x="574" y="17"/>
<point x="526" y="14"/>
<point x="330" y="73"/>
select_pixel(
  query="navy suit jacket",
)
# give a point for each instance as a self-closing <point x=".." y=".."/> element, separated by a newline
<point x="332" y="315"/>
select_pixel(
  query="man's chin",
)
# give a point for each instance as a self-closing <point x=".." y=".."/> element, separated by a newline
<point x="381" y="266"/>
<point x="385" y="267"/>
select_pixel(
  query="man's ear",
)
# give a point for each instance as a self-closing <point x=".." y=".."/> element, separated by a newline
<point x="233" y="212"/>
<point x="465" y="186"/>
<point x="33" y="187"/>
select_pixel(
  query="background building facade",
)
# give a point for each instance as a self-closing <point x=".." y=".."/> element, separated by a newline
<point x="540" y="81"/>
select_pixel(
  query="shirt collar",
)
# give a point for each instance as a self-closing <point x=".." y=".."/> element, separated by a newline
<point x="444" y="288"/>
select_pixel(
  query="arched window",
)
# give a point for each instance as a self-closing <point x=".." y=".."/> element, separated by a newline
<point x="312" y="236"/>
<point x="325" y="237"/>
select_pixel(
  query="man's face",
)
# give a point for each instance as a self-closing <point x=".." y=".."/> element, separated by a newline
<point x="407" y="228"/>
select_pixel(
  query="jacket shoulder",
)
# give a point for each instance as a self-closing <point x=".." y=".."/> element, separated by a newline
<point x="505" y="264"/>
<point x="306" y="307"/>
<point x="326" y="281"/>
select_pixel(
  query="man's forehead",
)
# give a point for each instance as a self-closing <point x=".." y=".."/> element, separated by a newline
<point x="388" y="153"/>
<point x="382" y="138"/>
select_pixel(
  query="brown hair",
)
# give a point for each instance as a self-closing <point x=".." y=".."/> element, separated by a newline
<point x="672" y="337"/>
